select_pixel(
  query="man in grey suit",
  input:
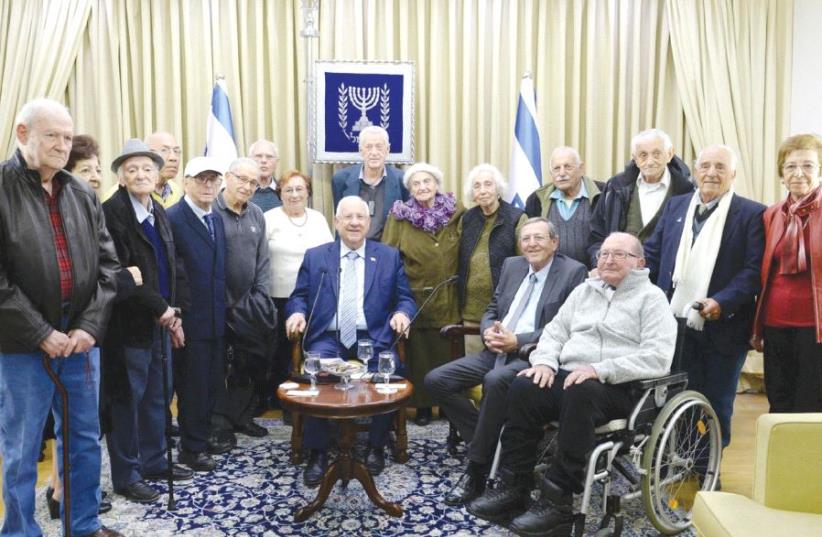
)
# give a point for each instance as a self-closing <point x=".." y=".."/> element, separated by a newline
<point x="376" y="182"/>
<point x="531" y="290"/>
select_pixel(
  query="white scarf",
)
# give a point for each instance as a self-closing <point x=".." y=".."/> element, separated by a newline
<point x="695" y="265"/>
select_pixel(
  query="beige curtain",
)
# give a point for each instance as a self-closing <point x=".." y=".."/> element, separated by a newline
<point x="702" y="70"/>
<point x="733" y="72"/>
<point x="151" y="65"/>
<point x="39" y="41"/>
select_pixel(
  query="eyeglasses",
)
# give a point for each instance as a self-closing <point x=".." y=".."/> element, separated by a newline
<point x="807" y="168"/>
<point x="619" y="255"/>
<point x="167" y="150"/>
<point x="209" y="179"/>
<point x="246" y="181"/>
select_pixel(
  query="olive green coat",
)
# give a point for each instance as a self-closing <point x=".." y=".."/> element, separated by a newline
<point x="429" y="258"/>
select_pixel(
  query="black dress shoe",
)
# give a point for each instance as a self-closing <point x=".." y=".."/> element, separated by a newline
<point x="250" y="428"/>
<point x="199" y="462"/>
<point x="423" y="416"/>
<point x="139" y="492"/>
<point x="105" y="507"/>
<point x="54" y="505"/>
<point x="375" y="461"/>
<point x="315" y="469"/>
<point x="221" y="442"/>
<point x="469" y="486"/>
<point x="178" y="473"/>
<point x="501" y="504"/>
<point x="104" y="532"/>
<point x="550" y="516"/>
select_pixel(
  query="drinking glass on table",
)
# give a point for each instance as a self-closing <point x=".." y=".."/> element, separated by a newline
<point x="365" y="351"/>
<point x="386" y="365"/>
<point x="312" y="367"/>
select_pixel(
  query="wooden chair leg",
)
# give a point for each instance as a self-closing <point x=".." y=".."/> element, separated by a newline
<point x="296" y="438"/>
<point x="453" y="439"/>
<point x="401" y="446"/>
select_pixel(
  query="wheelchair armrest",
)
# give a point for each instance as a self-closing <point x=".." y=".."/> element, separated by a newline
<point x="526" y="350"/>
<point x="667" y="380"/>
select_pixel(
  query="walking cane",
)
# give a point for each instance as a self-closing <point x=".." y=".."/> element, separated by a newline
<point x="167" y="405"/>
<point x="66" y="462"/>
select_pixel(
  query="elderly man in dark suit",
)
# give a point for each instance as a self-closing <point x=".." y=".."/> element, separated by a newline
<point x="531" y="290"/>
<point x="707" y="249"/>
<point x="365" y="282"/>
<point x="199" y="239"/>
<point x="377" y="183"/>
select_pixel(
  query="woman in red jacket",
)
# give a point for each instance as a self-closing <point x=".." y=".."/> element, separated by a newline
<point x="788" y="323"/>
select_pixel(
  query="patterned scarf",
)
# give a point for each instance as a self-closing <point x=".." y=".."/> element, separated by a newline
<point x="430" y="219"/>
<point x="793" y="257"/>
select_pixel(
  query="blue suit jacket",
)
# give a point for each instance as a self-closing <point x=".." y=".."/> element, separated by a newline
<point x="735" y="281"/>
<point x="200" y="272"/>
<point x="346" y="182"/>
<point x="386" y="290"/>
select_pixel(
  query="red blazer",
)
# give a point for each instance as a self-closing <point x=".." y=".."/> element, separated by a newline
<point x="775" y="223"/>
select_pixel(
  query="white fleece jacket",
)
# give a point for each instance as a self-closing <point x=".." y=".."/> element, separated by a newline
<point x="630" y="336"/>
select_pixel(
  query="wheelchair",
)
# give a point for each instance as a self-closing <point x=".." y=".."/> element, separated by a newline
<point x="667" y="449"/>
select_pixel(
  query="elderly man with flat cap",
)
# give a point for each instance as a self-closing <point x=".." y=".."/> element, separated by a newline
<point x="200" y="244"/>
<point x="139" y="332"/>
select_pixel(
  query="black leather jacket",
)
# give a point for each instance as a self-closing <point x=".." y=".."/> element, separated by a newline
<point x="30" y="303"/>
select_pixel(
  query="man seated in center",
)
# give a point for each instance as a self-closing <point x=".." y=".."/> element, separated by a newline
<point x="365" y="282"/>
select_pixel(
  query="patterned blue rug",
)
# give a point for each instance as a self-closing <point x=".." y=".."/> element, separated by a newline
<point x="255" y="491"/>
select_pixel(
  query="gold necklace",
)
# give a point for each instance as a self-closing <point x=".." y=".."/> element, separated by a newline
<point x="295" y="224"/>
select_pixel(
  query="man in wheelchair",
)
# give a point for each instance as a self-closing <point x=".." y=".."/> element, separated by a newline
<point x="613" y="329"/>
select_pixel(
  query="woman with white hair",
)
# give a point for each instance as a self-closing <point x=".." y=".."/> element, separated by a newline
<point x="488" y="235"/>
<point x="425" y="229"/>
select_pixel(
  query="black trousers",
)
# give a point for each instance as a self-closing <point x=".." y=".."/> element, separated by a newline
<point x="203" y="373"/>
<point x="793" y="369"/>
<point x="580" y="409"/>
<point x="480" y="428"/>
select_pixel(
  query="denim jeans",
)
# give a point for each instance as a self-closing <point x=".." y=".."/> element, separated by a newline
<point x="27" y="395"/>
<point x="137" y="442"/>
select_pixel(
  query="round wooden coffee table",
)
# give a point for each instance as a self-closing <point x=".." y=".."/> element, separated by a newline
<point x="363" y="400"/>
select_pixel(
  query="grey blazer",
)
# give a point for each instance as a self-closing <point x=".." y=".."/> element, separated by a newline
<point x="564" y="274"/>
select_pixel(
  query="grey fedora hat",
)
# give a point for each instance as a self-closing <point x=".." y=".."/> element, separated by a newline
<point x="136" y="148"/>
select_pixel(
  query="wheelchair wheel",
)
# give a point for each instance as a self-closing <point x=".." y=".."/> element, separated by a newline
<point x="680" y="458"/>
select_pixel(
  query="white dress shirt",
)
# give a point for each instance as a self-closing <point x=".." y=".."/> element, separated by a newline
<point x="652" y="195"/>
<point x="526" y="321"/>
<point x="359" y="264"/>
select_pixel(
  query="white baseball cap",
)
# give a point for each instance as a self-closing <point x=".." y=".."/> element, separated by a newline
<point x="198" y="165"/>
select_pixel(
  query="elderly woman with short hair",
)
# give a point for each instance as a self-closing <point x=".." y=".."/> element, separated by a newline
<point x="488" y="235"/>
<point x="425" y="229"/>
<point x="788" y="322"/>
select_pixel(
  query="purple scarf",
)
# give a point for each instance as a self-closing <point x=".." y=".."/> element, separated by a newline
<point x="428" y="219"/>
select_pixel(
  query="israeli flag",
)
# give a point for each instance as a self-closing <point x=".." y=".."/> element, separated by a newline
<point x="526" y="164"/>
<point x="220" y="128"/>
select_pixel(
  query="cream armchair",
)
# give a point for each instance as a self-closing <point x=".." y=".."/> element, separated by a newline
<point x="787" y="486"/>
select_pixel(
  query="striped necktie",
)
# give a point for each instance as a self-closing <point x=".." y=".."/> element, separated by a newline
<point x="348" y="302"/>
